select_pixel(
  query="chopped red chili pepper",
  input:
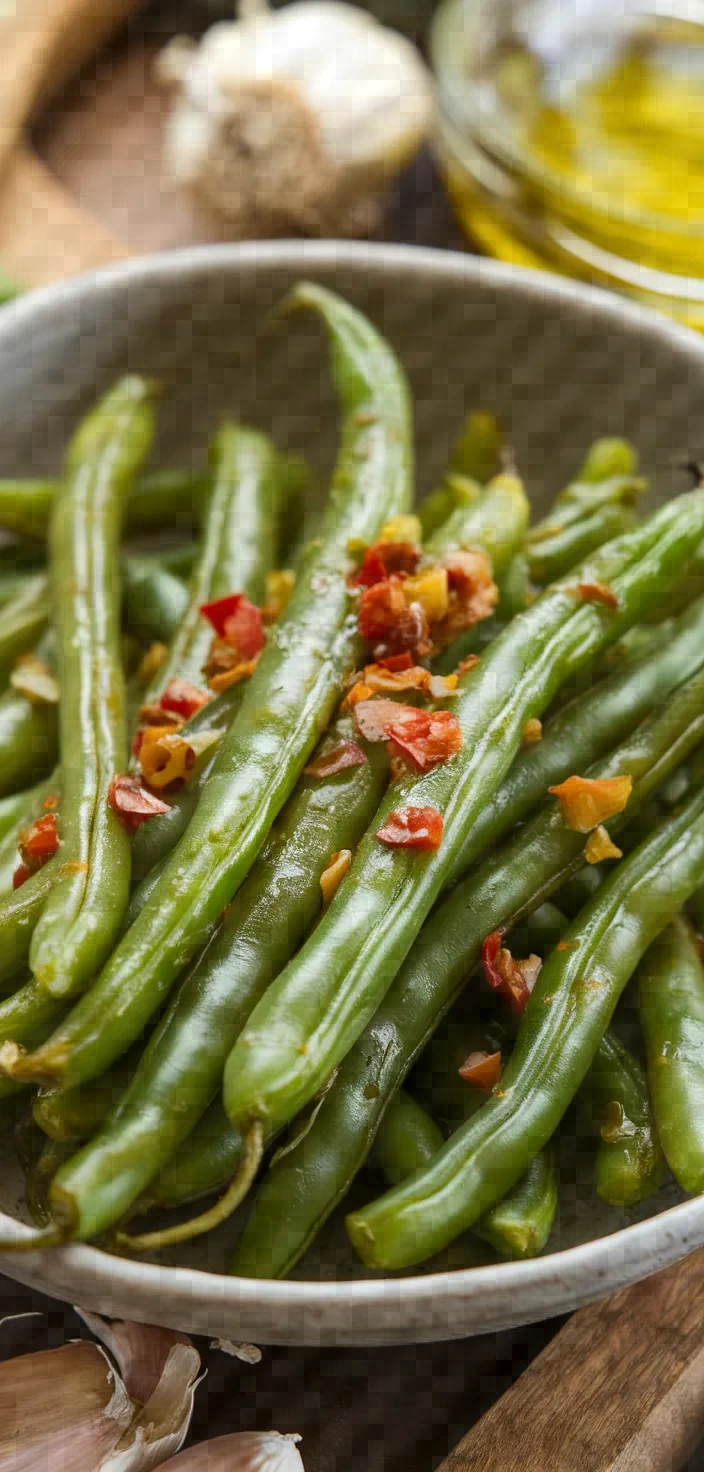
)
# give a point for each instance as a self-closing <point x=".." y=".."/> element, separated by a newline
<point x="238" y="622"/>
<point x="419" y="828"/>
<point x="425" y="738"/>
<point x="374" y="718"/>
<point x="183" y="698"/>
<point x="346" y="754"/>
<point x="481" y="1069"/>
<point x="133" y="803"/>
<point x="384" y="559"/>
<point x="21" y="875"/>
<point x="396" y="662"/>
<point x="473" y="595"/>
<point x="514" y="979"/>
<point x="389" y="625"/>
<point x="39" y="842"/>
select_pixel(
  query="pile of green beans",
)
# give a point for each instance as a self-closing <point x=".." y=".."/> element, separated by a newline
<point x="248" y="993"/>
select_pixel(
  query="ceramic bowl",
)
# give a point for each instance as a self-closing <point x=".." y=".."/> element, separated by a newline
<point x="560" y="364"/>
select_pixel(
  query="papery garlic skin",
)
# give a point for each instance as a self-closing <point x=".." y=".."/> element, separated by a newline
<point x="245" y="1451"/>
<point x="295" y="119"/>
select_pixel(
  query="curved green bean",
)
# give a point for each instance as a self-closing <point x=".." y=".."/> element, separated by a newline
<point x="239" y="547"/>
<point x="671" y="1001"/>
<point x="288" y="702"/>
<point x="567" y="1015"/>
<point x="83" y="914"/>
<point x="321" y="1002"/>
<point x="22" y="622"/>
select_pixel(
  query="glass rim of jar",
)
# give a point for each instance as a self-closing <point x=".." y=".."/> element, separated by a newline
<point x="454" y="98"/>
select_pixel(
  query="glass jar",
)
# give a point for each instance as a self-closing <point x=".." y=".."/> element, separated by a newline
<point x="571" y="137"/>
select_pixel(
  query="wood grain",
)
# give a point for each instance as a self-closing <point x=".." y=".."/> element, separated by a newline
<point x="42" y="43"/>
<point x="44" y="234"/>
<point x="619" y="1389"/>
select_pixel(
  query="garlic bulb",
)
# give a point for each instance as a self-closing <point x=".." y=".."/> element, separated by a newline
<point x="296" y="119"/>
<point x="245" y="1451"/>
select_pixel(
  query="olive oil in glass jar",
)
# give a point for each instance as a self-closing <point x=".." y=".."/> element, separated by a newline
<point x="572" y="138"/>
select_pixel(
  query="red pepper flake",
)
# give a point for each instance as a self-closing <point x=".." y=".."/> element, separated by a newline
<point x="183" y="698"/>
<point x="389" y="624"/>
<point x="418" y="828"/>
<point x="132" y="803"/>
<point x="425" y="738"/>
<point x="397" y="662"/>
<point x="39" y="842"/>
<point x="383" y="560"/>
<point x="238" y="622"/>
<point x="514" y="979"/>
<point x="374" y="718"/>
<point x="473" y="595"/>
<point x="596" y="593"/>
<point x="481" y="1069"/>
<point x="21" y="875"/>
<point x="466" y="664"/>
<point x="51" y="802"/>
<point x="346" y="754"/>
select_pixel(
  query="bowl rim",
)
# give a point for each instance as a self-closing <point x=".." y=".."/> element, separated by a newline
<point x="587" y="1270"/>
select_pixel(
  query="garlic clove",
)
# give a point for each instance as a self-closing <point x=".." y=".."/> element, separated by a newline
<point x="61" y="1408"/>
<point x="140" y="1350"/>
<point x="246" y="1451"/>
<point x="297" y="117"/>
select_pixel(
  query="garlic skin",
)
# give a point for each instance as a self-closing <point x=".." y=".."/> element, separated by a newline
<point x="295" y="119"/>
<point x="245" y="1451"/>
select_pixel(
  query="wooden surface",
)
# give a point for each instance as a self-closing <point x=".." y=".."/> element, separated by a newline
<point x="619" y="1389"/>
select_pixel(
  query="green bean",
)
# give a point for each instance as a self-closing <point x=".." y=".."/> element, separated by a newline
<point x="168" y="498"/>
<point x="182" y="1065"/>
<point x="288" y="701"/>
<point x="76" y="1114"/>
<point x="607" y="457"/>
<point x="29" y="1015"/>
<point x="239" y="547"/>
<point x="155" y="600"/>
<point x="567" y="1014"/>
<point x="278" y="903"/>
<point x="475" y="458"/>
<point x="671" y="1001"/>
<point x="19" y="915"/>
<point x="552" y="557"/>
<point x="83" y="913"/>
<point x="22" y="622"/>
<point x="408" y="1138"/>
<point x="14" y="810"/>
<point x="299" y="1193"/>
<point x="588" y="726"/>
<point x="496" y="521"/>
<point x="28" y="736"/>
<point x="628" y="1165"/>
<point x="321" y="1002"/>
<point x="519" y="1225"/>
<point x="204" y="1163"/>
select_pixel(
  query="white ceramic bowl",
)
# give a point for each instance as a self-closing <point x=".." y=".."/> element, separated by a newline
<point x="560" y="364"/>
